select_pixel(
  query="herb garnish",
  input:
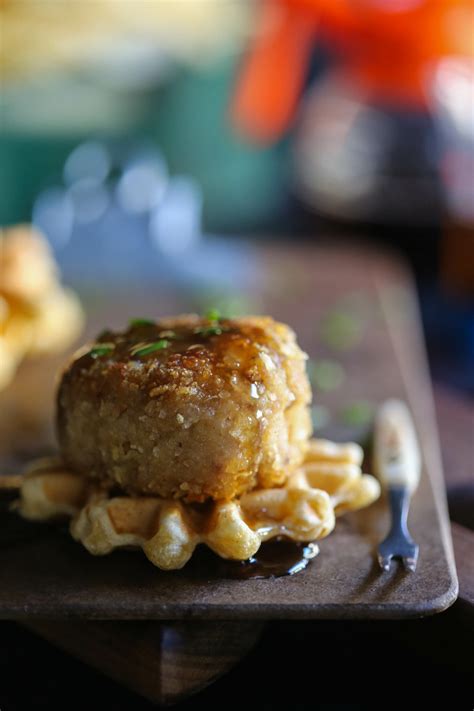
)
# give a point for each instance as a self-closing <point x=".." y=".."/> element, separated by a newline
<point x="213" y="315"/>
<point x="210" y="330"/>
<point x="140" y="322"/>
<point x="101" y="349"/>
<point x="214" y="329"/>
<point x="142" y="349"/>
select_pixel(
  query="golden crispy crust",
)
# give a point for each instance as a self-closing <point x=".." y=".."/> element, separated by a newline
<point x="209" y="415"/>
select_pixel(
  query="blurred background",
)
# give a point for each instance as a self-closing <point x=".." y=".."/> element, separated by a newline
<point x="159" y="141"/>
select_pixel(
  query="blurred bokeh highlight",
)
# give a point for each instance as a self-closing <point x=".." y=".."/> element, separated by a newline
<point x="138" y="137"/>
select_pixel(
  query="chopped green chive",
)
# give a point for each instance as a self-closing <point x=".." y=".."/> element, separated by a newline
<point x="213" y="315"/>
<point x="101" y="349"/>
<point x="140" y="322"/>
<point x="145" y="348"/>
<point x="210" y="330"/>
<point x="215" y="329"/>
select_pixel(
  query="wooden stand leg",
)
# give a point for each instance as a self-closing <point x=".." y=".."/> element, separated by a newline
<point x="163" y="661"/>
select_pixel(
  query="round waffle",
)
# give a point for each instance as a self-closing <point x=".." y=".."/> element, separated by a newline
<point x="328" y="483"/>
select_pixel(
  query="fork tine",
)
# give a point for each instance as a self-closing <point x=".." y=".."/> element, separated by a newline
<point x="410" y="563"/>
<point x="385" y="560"/>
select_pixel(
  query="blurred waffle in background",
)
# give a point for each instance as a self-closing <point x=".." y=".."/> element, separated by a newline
<point x="37" y="314"/>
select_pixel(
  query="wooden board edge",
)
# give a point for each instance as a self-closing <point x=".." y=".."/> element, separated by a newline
<point x="415" y="364"/>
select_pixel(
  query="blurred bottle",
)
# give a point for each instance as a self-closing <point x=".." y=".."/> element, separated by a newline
<point x="359" y="161"/>
<point x="453" y="99"/>
<point x="368" y="142"/>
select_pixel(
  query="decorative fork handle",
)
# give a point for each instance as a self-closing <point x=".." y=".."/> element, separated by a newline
<point x="397" y="458"/>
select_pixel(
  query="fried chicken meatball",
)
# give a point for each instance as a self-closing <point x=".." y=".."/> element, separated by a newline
<point x="187" y="407"/>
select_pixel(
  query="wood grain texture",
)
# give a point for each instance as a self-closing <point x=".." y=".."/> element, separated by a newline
<point x="46" y="574"/>
<point x="162" y="661"/>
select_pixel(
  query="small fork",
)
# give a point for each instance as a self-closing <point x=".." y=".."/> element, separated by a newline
<point x="397" y="462"/>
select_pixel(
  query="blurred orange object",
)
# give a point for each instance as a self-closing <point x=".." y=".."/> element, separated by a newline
<point x="386" y="47"/>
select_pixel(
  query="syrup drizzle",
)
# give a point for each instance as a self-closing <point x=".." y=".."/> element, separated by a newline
<point x="274" y="559"/>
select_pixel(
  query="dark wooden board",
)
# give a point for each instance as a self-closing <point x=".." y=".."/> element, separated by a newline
<point x="163" y="661"/>
<point x="44" y="574"/>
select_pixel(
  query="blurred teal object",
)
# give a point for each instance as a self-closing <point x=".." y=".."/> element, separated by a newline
<point x="243" y="187"/>
<point x="28" y="163"/>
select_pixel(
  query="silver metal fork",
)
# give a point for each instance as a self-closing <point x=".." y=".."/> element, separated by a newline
<point x="397" y="463"/>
